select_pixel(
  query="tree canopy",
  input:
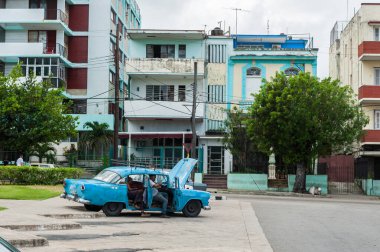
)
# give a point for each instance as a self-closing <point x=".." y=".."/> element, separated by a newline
<point x="302" y="117"/>
<point x="31" y="113"/>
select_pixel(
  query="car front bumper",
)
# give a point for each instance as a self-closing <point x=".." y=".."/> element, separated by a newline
<point x="75" y="198"/>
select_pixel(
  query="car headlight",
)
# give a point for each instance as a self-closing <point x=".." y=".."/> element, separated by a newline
<point x="189" y="187"/>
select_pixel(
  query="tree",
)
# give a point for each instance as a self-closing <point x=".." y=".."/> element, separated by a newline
<point x="98" y="135"/>
<point x="71" y="154"/>
<point x="246" y="156"/>
<point x="31" y="113"/>
<point x="303" y="117"/>
<point x="44" y="150"/>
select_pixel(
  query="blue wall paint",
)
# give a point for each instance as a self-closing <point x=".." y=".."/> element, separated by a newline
<point x="247" y="182"/>
<point x="230" y="80"/>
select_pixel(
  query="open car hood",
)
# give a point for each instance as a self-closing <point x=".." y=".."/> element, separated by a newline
<point x="182" y="170"/>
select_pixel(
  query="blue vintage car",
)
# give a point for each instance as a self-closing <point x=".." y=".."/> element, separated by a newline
<point x="109" y="191"/>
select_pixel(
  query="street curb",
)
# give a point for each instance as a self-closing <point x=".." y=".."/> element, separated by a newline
<point x="36" y="242"/>
<point x="65" y="226"/>
<point x="75" y="216"/>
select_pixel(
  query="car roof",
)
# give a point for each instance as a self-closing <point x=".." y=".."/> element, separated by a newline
<point x="128" y="170"/>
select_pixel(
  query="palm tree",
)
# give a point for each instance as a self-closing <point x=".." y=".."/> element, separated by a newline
<point x="44" y="150"/>
<point x="98" y="135"/>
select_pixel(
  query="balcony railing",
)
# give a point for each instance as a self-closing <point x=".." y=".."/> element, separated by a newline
<point x="371" y="136"/>
<point x="163" y="66"/>
<point x="369" y="50"/>
<point x="369" y="93"/>
<point x="57" y="15"/>
<point x="57" y="49"/>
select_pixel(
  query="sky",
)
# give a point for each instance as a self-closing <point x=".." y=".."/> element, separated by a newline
<point x="314" y="17"/>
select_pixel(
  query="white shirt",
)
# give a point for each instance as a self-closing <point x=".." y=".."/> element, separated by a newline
<point x="154" y="190"/>
<point x="19" y="161"/>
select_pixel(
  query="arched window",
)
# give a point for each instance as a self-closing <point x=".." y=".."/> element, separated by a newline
<point x="253" y="72"/>
<point x="291" y="71"/>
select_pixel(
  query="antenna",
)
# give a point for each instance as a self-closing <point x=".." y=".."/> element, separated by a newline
<point x="220" y="24"/>
<point x="236" y="17"/>
<point x="268" y="26"/>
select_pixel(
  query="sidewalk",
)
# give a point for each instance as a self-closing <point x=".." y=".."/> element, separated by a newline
<point x="335" y="197"/>
<point x="231" y="225"/>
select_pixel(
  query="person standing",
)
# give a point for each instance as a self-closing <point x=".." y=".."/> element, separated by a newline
<point x="161" y="197"/>
<point x="20" y="161"/>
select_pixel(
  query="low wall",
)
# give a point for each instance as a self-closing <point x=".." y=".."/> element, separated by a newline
<point x="371" y="187"/>
<point x="247" y="182"/>
<point x="311" y="180"/>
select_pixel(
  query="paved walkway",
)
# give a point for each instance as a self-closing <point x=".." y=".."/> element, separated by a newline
<point x="231" y="225"/>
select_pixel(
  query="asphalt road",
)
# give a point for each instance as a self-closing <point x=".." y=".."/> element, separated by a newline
<point x="314" y="224"/>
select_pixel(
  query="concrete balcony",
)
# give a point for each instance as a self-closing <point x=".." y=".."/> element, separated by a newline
<point x="10" y="52"/>
<point x="165" y="66"/>
<point x="33" y="19"/>
<point x="369" y="94"/>
<point x="371" y="137"/>
<point x="369" y="50"/>
<point x="142" y="109"/>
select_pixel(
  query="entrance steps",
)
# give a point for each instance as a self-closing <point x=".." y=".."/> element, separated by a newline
<point x="215" y="181"/>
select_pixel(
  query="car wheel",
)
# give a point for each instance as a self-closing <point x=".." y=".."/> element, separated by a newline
<point x="192" y="208"/>
<point x="113" y="208"/>
<point x="92" y="208"/>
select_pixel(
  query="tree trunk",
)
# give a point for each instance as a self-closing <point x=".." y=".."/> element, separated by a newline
<point x="300" y="181"/>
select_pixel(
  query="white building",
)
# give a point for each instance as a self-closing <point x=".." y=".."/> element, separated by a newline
<point x="355" y="61"/>
<point x="70" y="40"/>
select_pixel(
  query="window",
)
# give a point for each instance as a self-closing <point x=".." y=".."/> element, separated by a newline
<point x="216" y="53"/>
<point x="253" y="71"/>
<point x="160" y="51"/>
<point x="181" y="93"/>
<point x="112" y="77"/>
<point x="2" y="67"/>
<point x="37" y="36"/>
<point x="2" y="4"/>
<point x="291" y="71"/>
<point x="113" y="17"/>
<point x="377" y="76"/>
<point x="78" y="106"/>
<point x="160" y="92"/>
<point x="182" y="51"/>
<point x="37" y="4"/>
<point x="216" y="93"/>
<point x="376" y="33"/>
<point x="50" y="69"/>
<point x="377" y="119"/>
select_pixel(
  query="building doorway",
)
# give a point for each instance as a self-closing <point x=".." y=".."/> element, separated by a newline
<point x="215" y="160"/>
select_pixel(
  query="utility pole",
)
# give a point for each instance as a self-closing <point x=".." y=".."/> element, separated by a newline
<point x="117" y="95"/>
<point x="193" y="112"/>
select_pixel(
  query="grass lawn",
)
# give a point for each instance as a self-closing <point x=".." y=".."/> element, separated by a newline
<point x="36" y="192"/>
<point x="2" y="208"/>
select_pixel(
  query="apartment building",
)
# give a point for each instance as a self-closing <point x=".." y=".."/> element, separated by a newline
<point x="355" y="61"/>
<point x="161" y="77"/>
<point x="72" y="43"/>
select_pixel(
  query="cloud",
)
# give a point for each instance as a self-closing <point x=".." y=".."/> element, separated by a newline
<point x="288" y="16"/>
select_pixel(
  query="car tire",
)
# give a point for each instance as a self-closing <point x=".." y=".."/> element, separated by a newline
<point x="192" y="208"/>
<point x="93" y="208"/>
<point x="113" y="208"/>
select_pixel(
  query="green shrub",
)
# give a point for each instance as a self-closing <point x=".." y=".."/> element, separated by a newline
<point x="24" y="175"/>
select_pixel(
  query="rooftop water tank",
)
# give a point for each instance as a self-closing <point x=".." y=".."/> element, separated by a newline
<point x="217" y="32"/>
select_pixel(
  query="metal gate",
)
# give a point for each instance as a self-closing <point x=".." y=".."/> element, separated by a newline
<point x="342" y="180"/>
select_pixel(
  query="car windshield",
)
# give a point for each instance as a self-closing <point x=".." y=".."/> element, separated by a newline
<point x="108" y="177"/>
